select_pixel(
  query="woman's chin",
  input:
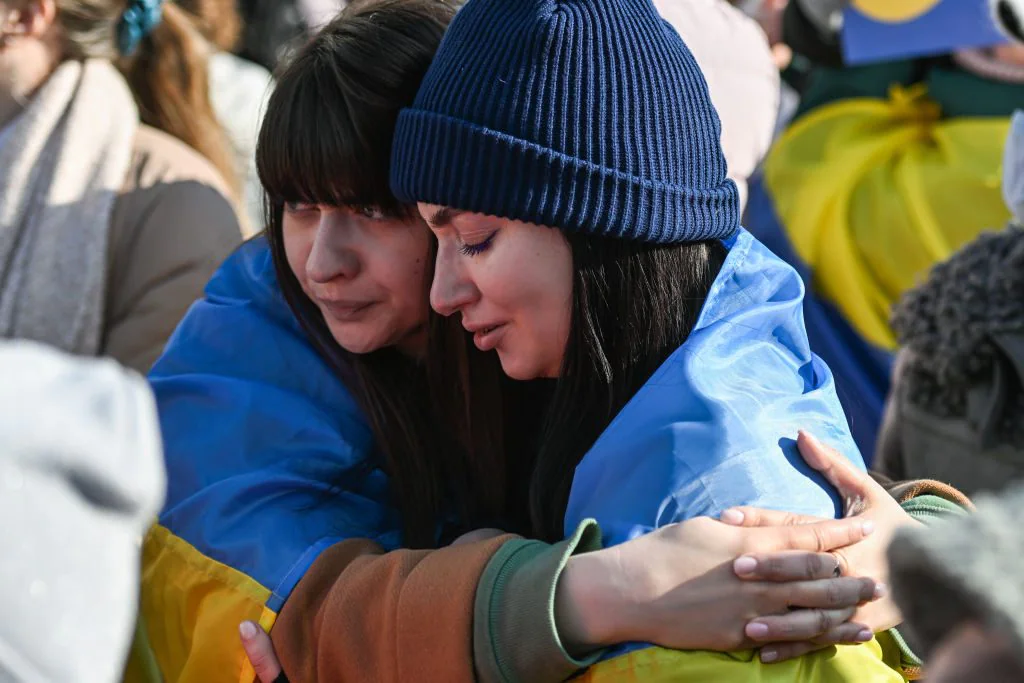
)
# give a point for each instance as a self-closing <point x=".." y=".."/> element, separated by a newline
<point x="356" y="343"/>
<point x="523" y="369"/>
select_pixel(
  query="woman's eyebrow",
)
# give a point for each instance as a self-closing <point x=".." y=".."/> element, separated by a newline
<point x="443" y="217"/>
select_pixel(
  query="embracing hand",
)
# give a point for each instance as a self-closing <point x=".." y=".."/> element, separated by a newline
<point x="677" y="587"/>
<point x="862" y="497"/>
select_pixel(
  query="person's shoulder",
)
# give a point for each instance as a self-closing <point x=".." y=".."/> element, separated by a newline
<point x="161" y="159"/>
<point x="173" y="193"/>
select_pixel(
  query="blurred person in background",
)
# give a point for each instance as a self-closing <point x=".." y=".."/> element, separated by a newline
<point x="316" y="13"/>
<point x="271" y="31"/>
<point x="238" y="93"/>
<point x="886" y="169"/>
<point x="956" y="409"/>
<point x="114" y="208"/>
<point x="81" y="476"/>
<point x="733" y="53"/>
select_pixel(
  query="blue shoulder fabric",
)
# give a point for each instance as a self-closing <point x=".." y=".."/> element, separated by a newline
<point x="268" y="456"/>
<point x="861" y="370"/>
<point x="716" y="425"/>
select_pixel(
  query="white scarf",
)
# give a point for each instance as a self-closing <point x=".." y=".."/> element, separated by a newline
<point x="62" y="165"/>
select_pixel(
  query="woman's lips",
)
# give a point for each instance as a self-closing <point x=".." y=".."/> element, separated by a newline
<point x="487" y="338"/>
<point x="346" y="311"/>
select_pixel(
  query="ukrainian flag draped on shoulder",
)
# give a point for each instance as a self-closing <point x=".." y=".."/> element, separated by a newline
<point x="268" y="464"/>
<point x="715" y="427"/>
<point x="864" y="195"/>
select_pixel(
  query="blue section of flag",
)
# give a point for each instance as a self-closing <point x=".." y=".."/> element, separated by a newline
<point x="269" y="458"/>
<point x="715" y="425"/>
<point x="861" y="370"/>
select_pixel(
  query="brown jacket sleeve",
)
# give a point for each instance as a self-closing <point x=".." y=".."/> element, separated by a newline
<point x="361" y="614"/>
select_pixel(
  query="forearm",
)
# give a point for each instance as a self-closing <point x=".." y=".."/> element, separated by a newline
<point x="364" y="614"/>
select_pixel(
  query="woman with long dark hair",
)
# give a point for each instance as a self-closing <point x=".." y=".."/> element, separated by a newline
<point x="324" y="444"/>
<point x="568" y="158"/>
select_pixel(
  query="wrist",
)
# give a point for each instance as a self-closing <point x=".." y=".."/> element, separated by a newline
<point x="586" y="605"/>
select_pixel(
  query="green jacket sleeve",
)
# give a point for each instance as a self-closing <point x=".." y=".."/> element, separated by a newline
<point x="514" y="633"/>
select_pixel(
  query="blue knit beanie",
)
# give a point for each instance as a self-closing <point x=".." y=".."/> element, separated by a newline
<point x="586" y="115"/>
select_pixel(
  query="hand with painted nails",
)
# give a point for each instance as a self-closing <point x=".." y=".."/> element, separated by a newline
<point x="868" y="501"/>
<point x="677" y="587"/>
<point x="260" y="651"/>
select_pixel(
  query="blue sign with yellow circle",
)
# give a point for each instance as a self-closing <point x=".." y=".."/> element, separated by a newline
<point x="880" y="30"/>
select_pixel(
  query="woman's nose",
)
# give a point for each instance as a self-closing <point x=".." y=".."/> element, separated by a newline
<point x="451" y="289"/>
<point x="335" y="253"/>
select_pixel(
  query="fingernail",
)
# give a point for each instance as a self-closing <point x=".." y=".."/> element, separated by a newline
<point x="732" y="517"/>
<point x="744" y="565"/>
<point x="248" y="630"/>
<point x="769" y="655"/>
<point x="864" y="636"/>
<point x="881" y="590"/>
<point x="810" y="437"/>
<point x="757" y="630"/>
<point x="868" y="527"/>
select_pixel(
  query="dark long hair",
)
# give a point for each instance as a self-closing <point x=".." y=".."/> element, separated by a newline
<point x="633" y="305"/>
<point x="326" y="139"/>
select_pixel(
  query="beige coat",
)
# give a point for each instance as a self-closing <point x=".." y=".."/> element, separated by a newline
<point x="171" y="227"/>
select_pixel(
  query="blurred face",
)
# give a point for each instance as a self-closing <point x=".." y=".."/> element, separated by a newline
<point x="366" y="272"/>
<point x="29" y="50"/>
<point x="510" y="281"/>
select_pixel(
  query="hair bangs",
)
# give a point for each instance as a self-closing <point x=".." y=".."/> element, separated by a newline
<point x="319" y="146"/>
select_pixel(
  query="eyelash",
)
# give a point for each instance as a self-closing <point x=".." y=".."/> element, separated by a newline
<point x="479" y="247"/>
<point x="371" y="212"/>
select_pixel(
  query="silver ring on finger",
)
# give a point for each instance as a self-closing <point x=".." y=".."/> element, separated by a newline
<point x="838" y="571"/>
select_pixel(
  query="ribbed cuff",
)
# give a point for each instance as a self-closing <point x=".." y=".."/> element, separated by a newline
<point x="515" y="637"/>
<point x="927" y="508"/>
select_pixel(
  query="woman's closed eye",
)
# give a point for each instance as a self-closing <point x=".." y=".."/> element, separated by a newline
<point x="300" y="207"/>
<point x="474" y="248"/>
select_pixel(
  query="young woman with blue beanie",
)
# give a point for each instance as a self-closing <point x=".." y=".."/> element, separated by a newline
<point x="567" y="156"/>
